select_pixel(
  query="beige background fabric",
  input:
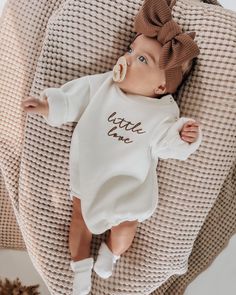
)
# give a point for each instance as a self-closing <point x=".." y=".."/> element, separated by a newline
<point x="10" y="235"/>
<point x="46" y="44"/>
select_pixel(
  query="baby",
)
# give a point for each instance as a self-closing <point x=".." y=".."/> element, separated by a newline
<point x="127" y="120"/>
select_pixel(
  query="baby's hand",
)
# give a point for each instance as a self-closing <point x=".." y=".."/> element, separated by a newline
<point x="35" y="105"/>
<point x="189" y="131"/>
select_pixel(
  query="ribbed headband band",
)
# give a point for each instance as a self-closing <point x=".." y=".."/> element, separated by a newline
<point x="154" y="19"/>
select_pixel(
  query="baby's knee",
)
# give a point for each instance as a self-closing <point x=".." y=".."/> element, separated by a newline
<point x="124" y="231"/>
<point x="121" y="242"/>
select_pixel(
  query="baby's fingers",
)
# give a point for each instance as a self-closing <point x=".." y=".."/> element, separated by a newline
<point x="30" y="102"/>
<point x="191" y="128"/>
<point x="189" y="134"/>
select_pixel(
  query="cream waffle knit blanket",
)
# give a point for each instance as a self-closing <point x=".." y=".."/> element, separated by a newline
<point x="46" y="43"/>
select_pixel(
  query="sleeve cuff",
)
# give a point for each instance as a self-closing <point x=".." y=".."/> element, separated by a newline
<point x="57" y="106"/>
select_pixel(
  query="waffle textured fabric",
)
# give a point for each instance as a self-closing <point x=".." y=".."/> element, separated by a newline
<point x="47" y="43"/>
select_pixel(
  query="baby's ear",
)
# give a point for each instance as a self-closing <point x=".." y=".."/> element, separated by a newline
<point x="161" y="89"/>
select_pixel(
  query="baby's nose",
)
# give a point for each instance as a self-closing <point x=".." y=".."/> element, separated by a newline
<point x="128" y="60"/>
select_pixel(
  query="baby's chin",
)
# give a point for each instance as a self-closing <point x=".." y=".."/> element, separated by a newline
<point x="128" y="88"/>
<point x="122" y="86"/>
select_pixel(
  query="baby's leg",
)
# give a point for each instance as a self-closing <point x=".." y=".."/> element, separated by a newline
<point x="79" y="242"/>
<point x="80" y="237"/>
<point x="119" y="240"/>
<point x="121" y="236"/>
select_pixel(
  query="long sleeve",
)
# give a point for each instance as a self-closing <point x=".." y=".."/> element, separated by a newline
<point x="68" y="102"/>
<point x="168" y="144"/>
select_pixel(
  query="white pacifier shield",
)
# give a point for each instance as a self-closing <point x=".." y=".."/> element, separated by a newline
<point x="119" y="70"/>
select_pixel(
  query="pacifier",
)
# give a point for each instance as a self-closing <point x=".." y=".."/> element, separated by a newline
<point x="119" y="70"/>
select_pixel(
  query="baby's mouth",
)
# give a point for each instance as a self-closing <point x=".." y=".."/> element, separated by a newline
<point x="120" y="69"/>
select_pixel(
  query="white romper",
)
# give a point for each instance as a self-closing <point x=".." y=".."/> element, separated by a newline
<point x="115" y="147"/>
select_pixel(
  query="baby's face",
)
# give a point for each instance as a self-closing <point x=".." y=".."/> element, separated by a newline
<point x="143" y="75"/>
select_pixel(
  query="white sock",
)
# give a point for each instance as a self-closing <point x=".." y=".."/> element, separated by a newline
<point x="105" y="261"/>
<point x="82" y="275"/>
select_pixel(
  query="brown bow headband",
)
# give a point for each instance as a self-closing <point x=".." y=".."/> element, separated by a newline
<point x="154" y="20"/>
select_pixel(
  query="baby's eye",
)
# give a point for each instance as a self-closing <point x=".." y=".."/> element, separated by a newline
<point x="142" y="58"/>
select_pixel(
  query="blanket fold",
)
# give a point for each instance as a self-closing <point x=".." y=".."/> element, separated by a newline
<point x="48" y="43"/>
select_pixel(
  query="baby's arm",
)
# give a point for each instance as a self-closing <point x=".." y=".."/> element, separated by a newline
<point x="61" y="105"/>
<point x="168" y="142"/>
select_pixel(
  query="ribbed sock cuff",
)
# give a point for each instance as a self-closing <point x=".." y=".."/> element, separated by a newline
<point x="115" y="257"/>
<point x="82" y="265"/>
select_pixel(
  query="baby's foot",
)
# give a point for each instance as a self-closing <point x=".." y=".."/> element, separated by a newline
<point x="105" y="261"/>
<point x="82" y="276"/>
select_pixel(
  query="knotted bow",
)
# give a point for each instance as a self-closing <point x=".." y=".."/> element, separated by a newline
<point x="154" y="20"/>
